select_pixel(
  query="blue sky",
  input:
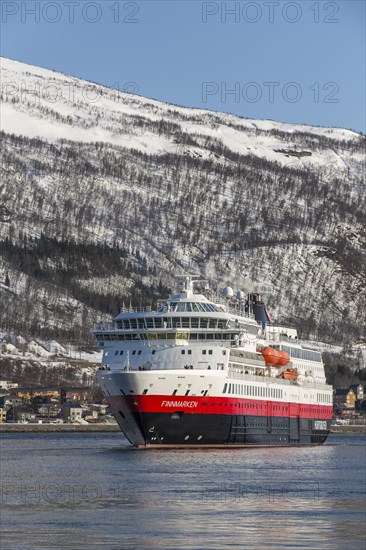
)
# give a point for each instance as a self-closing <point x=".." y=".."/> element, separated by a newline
<point x="298" y="62"/>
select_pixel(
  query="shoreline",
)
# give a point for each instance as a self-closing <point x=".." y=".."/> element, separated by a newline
<point x="58" y="428"/>
<point x="355" y="429"/>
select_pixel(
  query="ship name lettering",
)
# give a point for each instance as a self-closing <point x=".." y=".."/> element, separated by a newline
<point x="191" y="404"/>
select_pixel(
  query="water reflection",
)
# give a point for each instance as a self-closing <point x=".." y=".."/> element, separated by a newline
<point x="88" y="491"/>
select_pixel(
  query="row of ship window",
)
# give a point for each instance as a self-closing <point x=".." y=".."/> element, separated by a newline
<point x="134" y="352"/>
<point x="324" y="398"/>
<point x="168" y="336"/>
<point x="204" y="352"/>
<point x="172" y="322"/>
<point x="254" y="391"/>
<point x="183" y="352"/>
<point x="306" y="354"/>
<point x="188" y="306"/>
<point x="260" y="391"/>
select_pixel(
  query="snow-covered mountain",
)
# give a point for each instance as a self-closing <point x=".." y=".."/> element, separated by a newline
<point x="104" y="194"/>
<point x="31" y="362"/>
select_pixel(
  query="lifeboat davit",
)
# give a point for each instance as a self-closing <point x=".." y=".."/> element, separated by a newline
<point x="284" y="358"/>
<point x="271" y="356"/>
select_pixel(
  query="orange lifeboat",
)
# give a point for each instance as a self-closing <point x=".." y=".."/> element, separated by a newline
<point x="284" y="358"/>
<point x="271" y="356"/>
<point x="290" y="374"/>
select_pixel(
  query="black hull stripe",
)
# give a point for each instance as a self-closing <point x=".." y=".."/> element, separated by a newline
<point x="187" y="430"/>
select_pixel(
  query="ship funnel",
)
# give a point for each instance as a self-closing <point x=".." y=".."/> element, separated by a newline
<point x="261" y="313"/>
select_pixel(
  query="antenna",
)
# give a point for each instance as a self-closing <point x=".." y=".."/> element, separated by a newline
<point x="189" y="282"/>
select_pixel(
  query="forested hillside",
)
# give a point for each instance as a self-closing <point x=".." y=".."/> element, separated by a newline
<point x="104" y="202"/>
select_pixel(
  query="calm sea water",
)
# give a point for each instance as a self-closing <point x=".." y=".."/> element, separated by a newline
<point x="92" y="491"/>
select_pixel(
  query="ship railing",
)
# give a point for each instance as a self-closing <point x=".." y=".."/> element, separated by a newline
<point x="234" y="309"/>
<point x="179" y="327"/>
<point x="281" y="337"/>
<point x="239" y="313"/>
<point x="239" y="374"/>
<point x="141" y="309"/>
<point x="104" y="327"/>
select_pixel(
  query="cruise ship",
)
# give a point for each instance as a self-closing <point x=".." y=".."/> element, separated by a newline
<point x="208" y="370"/>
